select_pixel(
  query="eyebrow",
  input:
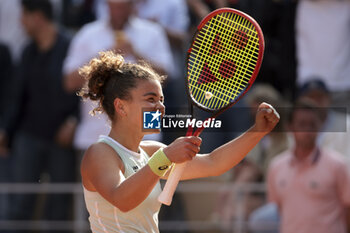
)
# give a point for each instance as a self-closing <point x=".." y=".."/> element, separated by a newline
<point x="153" y="94"/>
<point x="150" y="93"/>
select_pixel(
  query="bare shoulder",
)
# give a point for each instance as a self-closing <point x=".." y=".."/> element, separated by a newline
<point x="150" y="147"/>
<point x="99" y="157"/>
<point x="100" y="153"/>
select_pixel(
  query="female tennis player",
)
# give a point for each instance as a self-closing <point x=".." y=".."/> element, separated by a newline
<point x="121" y="174"/>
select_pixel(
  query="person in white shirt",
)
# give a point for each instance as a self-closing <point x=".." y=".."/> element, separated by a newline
<point x="323" y="46"/>
<point x="12" y="33"/>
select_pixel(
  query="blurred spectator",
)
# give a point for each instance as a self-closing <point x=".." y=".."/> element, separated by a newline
<point x="173" y="16"/>
<point x="335" y="132"/>
<point x="12" y="33"/>
<point x="77" y="13"/>
<point x="310" y="185"/>
<point x="42" y="114"/>
<point x="277" y="20"/>
<point x="5" y="92"/>
<point x="135" y="38"/>
<point x="11" y="29"/>
<point x="323" y="46"/>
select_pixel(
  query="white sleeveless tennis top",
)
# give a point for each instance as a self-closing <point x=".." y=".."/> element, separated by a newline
<point x="106" y="218"/>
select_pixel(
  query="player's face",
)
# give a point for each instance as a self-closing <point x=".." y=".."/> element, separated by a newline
<point x="305" y="126"/>
<point x="147" y="96"/>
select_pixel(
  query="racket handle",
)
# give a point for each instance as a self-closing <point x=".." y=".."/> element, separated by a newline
<point x="166" y="196"/>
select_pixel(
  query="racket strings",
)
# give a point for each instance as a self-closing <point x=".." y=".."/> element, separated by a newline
<point x="221" y="71"/>
<point x="241" y="43"/>
<point x="218" y="95"/>
<point x="226" y="85"/>
<point x="228" y="45"/>
<point x="222" y="68"/>
<point x="229" y="66"/>
<point x="227" y="71"/>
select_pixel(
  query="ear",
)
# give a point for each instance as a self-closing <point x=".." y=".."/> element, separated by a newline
<point x="119" y="107"/>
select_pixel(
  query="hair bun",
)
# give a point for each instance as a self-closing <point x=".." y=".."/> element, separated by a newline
<point x="98" y="72"/>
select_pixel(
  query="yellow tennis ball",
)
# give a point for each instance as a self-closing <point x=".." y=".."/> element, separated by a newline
<point x="208" y="95"/>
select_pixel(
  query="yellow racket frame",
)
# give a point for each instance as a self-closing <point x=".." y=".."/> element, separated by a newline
<point x="224" y="58"/>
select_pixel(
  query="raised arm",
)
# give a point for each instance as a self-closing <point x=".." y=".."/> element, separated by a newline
<point x="230" y="154"/>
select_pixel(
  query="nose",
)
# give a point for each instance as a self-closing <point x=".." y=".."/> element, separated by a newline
<point x="161" y="107"/>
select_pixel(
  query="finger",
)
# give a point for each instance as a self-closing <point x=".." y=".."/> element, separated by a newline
<point x="194" y="148"/>
<point x="195" y="152"/>
<point x="265" y="105"/>
<point x="190" y="154"/>
<point x="195" y="140"/>
<point x="267" y="108"/>
<point x="265" y="111"/>
<point x="272" y="119"/>
<point x="270" y="114"/>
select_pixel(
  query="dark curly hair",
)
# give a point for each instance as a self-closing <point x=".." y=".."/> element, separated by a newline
<point x="109" y="77"/>
<point x="43" y="6"/>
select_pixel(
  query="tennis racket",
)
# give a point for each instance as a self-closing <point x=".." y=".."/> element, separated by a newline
<point x="222" y="64"/>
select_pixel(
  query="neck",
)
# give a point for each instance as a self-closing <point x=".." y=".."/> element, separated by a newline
<point x="303" y="152"/>
<point x="126" y="136"/>
<point x="46" y="36"/>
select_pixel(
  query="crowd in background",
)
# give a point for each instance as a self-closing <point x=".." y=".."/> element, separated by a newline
<point x="45" y="128"/>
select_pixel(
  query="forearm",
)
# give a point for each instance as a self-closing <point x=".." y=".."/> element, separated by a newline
<point x="134" y="190"/>
<point x="224" y="157"/>
<point x="231" y="153"/>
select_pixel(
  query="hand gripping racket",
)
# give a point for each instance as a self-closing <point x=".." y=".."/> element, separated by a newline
<point x="222" y="64"/>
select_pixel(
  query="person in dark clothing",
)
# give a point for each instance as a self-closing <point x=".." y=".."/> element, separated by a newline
<point x="5" y="82"/>
<point x="42" y="113"/>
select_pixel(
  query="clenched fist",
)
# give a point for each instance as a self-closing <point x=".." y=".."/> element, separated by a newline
<point x="183" y="149"/>
<point x="266" y="118"/>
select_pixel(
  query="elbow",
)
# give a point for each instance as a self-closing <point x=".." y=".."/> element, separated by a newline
<point x="124" y="207"/>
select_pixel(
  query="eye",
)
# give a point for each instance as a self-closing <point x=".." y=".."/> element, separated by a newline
<point x="151" y="100"/>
